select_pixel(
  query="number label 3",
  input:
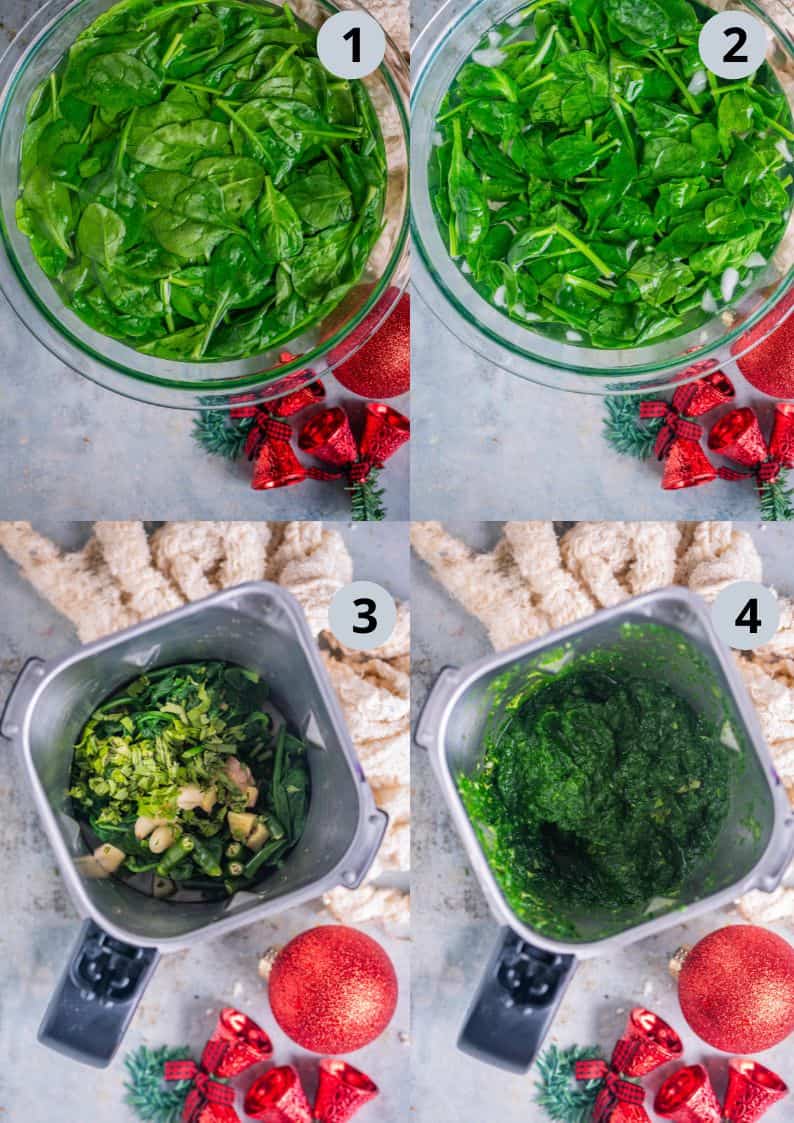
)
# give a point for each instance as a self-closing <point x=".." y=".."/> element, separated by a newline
<point x="362" y="615"/>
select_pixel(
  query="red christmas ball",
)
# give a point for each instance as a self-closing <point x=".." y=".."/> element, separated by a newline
<point x="736" y="989"/>
<point x="333" y="989"/>
<point x="767" y="360"/>
<point x="382" y="367"/>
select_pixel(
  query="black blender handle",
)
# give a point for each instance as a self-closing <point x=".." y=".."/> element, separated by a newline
<point x="518" y="998"/>
<point x="97" y="995"/>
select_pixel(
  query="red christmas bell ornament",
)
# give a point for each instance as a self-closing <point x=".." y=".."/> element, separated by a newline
<point x="385" y="431"/>
<point x="688" y="1097"/>
<point x="712" y="389"/>
<point x="752" y="1090"/>
<point x="736" y="989"/>
<point x="765" y="354"/>
<point x="328" y="436"/>
<point x="653" y="1042"/>
<point x="342" y="1091"/>
<point x="738" y="437"/>
<point x="686" y="465"/>
<point x="277" y="466"/>
<point x="278" y="1097"/>
<point x="381" y="368"/>
<point x="246" y="1044"/>
<point x="781" y="446"/>
<point x="333" y="989"/>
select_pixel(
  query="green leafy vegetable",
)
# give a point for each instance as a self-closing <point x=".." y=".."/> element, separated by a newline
<point x="591" y="189"/>
<point x="168" y="130"/>
<point x="183" y="763"/>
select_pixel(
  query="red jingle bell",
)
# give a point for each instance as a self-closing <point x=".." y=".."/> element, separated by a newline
<point x="343" y="1090"/>
<point x="686" y="465"/>
<point x="246" y="1044"/>
<point x="328" y="436"/>
<point x="653" y="1042"/>
<point x="278" y="1097"/>
<point x="738" y="437"/>
<point x="277" y="466"/>
<point x="688" y="1097"/>
<point x="752" y="1090"/>
<point x="781" y="446"/>
<point x="385" y="430"/>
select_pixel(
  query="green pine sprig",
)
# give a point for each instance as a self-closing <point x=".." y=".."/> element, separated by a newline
<point x="776" y="501"/>
<point x="625" y="432"/>
<point x="149" y="1096"/>
<point x="366" y="500"/>
<point x="562" y="1098"/>
<point x="219" y="434"/>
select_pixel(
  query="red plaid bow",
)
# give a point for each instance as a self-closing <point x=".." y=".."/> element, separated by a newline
<point x="675" y="423"/>
<point x="765" y="473"/>
<point x="616" y="1089"/>
<point x="266" y="428"/>
<point x="206" y="1089"/>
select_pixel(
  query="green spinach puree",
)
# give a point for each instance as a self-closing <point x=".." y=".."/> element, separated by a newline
<point x="597" y="792"/>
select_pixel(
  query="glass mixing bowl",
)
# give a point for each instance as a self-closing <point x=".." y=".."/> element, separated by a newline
<point x="36" y="50"/>
<point x="443" y="47"/>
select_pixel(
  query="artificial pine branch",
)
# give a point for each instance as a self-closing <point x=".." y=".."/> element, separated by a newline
<point x="777" y="501"/>
<point x="149" y="1096"/>
<point x="219" y="434"/>
<point x="366" y="500"/>
<point x="563" y="1099"/>
<point x="623" y="429"/>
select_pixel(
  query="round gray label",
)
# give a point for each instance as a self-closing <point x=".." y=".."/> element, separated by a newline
<point x="351" y="44"/>
<point x="745" y="615"/>
<point x="362" y="615"/>
<point x="733" y="44"/>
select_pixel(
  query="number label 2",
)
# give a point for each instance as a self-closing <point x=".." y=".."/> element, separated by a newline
<point x="740" y="36"/>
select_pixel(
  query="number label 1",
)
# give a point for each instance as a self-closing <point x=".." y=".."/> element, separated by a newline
<point x="362" y="615"/>
<point x="745" y="615"/>
<point x="733" y="44"/>
<point x="354" y="36"/>
<point x="351" y="44"/>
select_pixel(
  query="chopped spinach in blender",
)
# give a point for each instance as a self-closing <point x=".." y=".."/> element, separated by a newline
<point x="597" y="791"/>
<point x="190" y="775"/>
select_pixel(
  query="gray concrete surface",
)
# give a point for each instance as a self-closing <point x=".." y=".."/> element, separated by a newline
<point x="454" y="933"/>
<point x="180" y="1005"/>
<point x="489" y="445"/>
<point x="70" y="449"/>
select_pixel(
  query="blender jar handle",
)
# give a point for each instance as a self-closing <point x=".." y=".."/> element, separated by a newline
<point x="430" y="717"/>
<point x="19" y="695"/>
<point x="518" y="998"/>
<point x="98" y="993"/>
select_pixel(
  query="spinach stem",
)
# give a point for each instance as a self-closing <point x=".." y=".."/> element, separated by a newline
<point x="665" y="65"/>
<point x="582" y="247"/>
<point x="787" y="133"/>
<point x="241" y="125"/>
<point x="590" y="286"/>
<point x="173" y="49"/>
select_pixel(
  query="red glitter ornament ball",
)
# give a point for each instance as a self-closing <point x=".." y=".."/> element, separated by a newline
<point x="736" y="989"/>
<point x="382" y="368"/>
<point x="767" y="352"/>
<point x="333" y="989"/>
